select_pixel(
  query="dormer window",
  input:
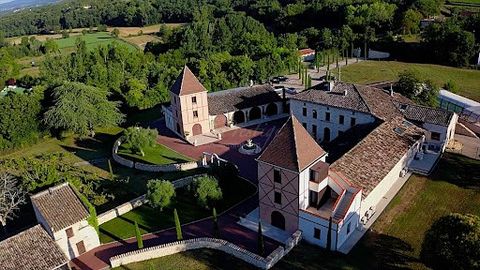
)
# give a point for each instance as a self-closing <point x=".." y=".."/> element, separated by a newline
<point x="194" y="100"/>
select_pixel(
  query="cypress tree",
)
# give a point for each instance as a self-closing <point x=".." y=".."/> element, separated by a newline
<point x="216" y="229"/>
<point x="261" y="244"/>
<point x="110" y="169"/>
<point x="138" y="235"/>
<point x="178" y="227"/>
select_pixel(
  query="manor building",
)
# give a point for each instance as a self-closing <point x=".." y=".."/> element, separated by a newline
<point x="328" y="202"/>
<point x="194" y="113"/>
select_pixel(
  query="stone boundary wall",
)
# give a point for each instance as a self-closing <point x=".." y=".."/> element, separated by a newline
<point x="211" y="243"/>
<point x="151" y="168"/>
<point x="137" y="202"/>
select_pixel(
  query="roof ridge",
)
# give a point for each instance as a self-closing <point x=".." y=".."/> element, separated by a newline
<point x="49" y="190"/>
<point x="363" y="99"/>
<point x="295" y="142"/>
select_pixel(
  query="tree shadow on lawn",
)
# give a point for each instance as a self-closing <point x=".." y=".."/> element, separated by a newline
<point x="381" y="251"/>
<point x="458" y="170"/>
<point x="113" y="236"/>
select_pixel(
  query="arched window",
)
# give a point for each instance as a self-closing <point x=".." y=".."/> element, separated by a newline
<point x="314" y="114"/>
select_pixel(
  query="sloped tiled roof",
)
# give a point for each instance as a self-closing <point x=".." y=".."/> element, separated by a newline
<point x="367" y="164"/>
<point x="361" y="98"/>
<point x="292" y="148"/>
<point x="343" y="95"/>
<point x="32" y="249"/>
<point x="60" y="207"/>
<point x="240" y="98"/>
<point x="422" y="114"/>
<point x="187" y="84"/>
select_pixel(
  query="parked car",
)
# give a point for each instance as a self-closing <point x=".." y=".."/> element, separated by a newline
<point x="275" y="80"/>
<point x="291" y="90"/>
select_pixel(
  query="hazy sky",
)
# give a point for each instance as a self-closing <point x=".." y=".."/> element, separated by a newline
<point x="5" y="1"/>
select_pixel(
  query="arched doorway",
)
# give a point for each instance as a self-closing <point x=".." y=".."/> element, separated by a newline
<point x="278" y="220"/>
<point x="220" y="121"/>
<point x="326" y="135"/>
<point x="272" y="109"/>
<point x="238" y="117"/>
<point x="196" y="129"/>
<point x="255" y="113"/>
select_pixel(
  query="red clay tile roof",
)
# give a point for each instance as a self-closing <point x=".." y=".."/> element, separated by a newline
<point x="306" y="51"/>
<point x="356" y="97"/>
<point x="367" y="164"/>
<point x="60" y="207"/>
<point x="32" y="249"/>
<point x="241" y="98"/>
<point x="187" y="84"/>
<point x="292" y="148"/>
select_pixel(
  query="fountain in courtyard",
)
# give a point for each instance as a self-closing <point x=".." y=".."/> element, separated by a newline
<point x="250" y="148"/>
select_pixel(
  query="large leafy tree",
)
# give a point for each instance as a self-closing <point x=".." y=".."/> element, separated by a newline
<point x="138" y="139"/>
<point x="207" y="190"/>
<point x="81" y="108"/>
<point x="453" y="242"/>
<point x="160" y="193"/>
<point x="411" y="86"/>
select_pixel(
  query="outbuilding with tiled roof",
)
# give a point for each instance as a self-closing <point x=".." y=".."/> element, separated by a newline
<point x="32" y="249"/>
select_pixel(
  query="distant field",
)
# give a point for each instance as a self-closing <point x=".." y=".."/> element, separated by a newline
<point x="124" y="32"/>
<point x="92" y="41"/>
<point x="467" y="80"/>
<point x="141" y="41"/>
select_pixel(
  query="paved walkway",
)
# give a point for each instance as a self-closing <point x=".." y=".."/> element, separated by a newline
<point x="470" y="146"/>
<point x="227" y="148"/>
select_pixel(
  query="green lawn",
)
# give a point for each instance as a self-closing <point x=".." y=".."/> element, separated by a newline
<point x="92" y="41"/>
<point x="158" y="155"/>
<point x="204" y="259"/>
<point x="395" y="239"/>
<point x="151" y="220"/>
<point x="465" y="1"/>
<point x="467" y="80"/>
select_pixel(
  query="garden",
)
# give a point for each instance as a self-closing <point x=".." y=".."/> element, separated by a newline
<point x="193" y="202"/>
<point x="139" y="145"/>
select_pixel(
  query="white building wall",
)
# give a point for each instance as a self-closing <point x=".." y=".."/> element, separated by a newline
<point x="82" y="231"/>
<point x="352" y="217"/>
<point x="446" y="133"/>
<point x="304" y="185"/>
<point x="374" y="197"/>
<point x="308" y="223"/>
<point x="296" y="108"/>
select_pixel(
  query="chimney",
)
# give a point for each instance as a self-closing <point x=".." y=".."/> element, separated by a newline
<point x="345" y="92"/>
<point x="391" y="90"/>
<point x="330" y="85"/>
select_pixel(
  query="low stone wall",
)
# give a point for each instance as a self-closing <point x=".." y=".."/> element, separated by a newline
<point x="137" y="202"/>
<point x="121" y="209"/>
<point x="151" y="168"/>
<point x="183" y="182"/>
<point x="211" y="243"/>
<point x="120" y="160"/>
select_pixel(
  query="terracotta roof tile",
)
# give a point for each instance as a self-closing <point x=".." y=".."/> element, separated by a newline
<point x="240" y="98"/>
<point x="367" y="164"/>
<point x="187" y="84"/>
<point x="32" y="249"/>
<point x="60" y="207"/>
<point x="292" y="148"/>
<point x="422" y="114"/>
